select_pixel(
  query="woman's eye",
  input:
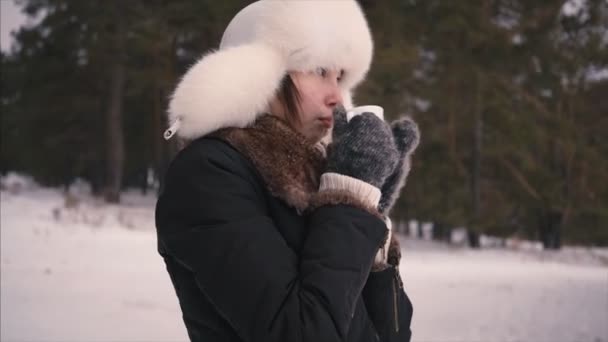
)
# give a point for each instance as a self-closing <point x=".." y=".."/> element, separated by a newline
<point x="322" y="72"/>
<point x="341" y="75"/>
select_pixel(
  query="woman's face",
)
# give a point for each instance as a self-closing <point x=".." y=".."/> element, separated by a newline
<point x="319" y="94"/>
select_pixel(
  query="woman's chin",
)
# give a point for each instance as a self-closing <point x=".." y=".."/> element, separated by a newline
<point x="315" y="135"/>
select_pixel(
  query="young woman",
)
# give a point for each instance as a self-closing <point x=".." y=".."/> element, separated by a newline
<point x="266" y="235"/>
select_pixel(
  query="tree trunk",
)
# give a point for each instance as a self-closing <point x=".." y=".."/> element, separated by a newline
<point x="165" y="150"/>
<point x="473" y="238"/>
<point x="115" y="149"/>
<point x="549" y="229"/>
<point x="441" y="232"/>
<point x="476" y="161"/>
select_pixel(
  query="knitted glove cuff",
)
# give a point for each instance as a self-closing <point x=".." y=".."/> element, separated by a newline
<point x="367" y="193"/>
<point x="338" y="197"/>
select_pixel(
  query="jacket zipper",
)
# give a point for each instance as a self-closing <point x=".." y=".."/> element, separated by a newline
<point x="395" y="309"/>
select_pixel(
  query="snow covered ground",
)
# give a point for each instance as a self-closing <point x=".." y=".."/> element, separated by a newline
<point x="90" y="272"/>
<point x="464" y="295"/>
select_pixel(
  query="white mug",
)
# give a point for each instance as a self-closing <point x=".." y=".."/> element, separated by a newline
<point x="377" y="110"/>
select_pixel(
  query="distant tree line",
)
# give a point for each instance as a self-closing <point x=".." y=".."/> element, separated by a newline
<point x="508" y="95"/>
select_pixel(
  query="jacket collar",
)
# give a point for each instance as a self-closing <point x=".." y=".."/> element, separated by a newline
<point x="289" y="165"/>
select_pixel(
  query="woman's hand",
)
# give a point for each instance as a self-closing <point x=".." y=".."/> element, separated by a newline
<point x="406" y="136"/>
<point x="362" y="148"/>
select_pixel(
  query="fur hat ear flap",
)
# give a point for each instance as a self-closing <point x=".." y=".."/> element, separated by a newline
<point x="229" y="87"/>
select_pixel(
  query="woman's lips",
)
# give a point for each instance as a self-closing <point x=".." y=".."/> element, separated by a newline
<point x="327" y="121"/>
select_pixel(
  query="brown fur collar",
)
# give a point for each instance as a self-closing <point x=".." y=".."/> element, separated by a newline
<point x="290" y="166"/>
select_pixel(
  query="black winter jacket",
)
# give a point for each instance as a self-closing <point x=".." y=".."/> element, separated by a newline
<point x="255" y="255"/>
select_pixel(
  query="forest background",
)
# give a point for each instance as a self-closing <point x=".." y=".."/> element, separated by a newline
<point x="511" y="97"/>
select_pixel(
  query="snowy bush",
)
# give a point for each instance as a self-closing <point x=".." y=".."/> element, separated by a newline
<point x="15" y="183"/>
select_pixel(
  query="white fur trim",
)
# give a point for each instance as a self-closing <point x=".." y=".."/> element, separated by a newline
<point x="227" y="88"/>
<point x="265" y="40"/>
<point x="325" y="33"/>
<point x="309" y="34"/>
<point x="364" y="191"/>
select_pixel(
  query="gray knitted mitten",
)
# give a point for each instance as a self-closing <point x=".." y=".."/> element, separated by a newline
<point x="362" y="148"/>
<point x="406" y="136"/>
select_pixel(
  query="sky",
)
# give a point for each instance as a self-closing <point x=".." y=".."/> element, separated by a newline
<point x="11" y="19"/>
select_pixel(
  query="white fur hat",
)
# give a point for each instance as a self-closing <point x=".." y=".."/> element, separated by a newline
<point x="230" y="87"/>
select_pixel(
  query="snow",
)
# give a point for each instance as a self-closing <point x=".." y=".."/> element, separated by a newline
<point x="597" y="74"/>
<point x="573" y="8"/>
<point x="76" y="269"/>
<point x="497" y="295"/>
<point x="422" y="104"/>
<point x="12" y="19"/>
<point x="518" y="39"/>
<point x="89" y="273"/>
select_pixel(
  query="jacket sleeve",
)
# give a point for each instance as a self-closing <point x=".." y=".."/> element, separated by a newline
<point x="388" y="306"/>
<point x="212" y="219"/>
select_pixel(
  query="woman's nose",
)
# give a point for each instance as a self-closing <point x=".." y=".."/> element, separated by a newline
<point x="334" y="98"/>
